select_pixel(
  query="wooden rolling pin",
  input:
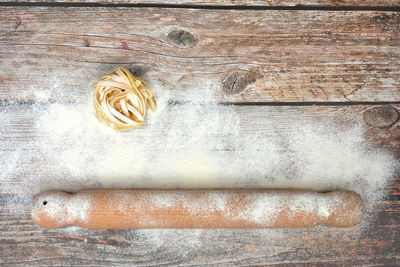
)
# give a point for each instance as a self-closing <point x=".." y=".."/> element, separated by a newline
<point x="122" y="209"/>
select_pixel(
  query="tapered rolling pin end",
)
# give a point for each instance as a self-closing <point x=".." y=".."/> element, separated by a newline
<point x="50" y="208"/>
<point x="345" y="209"/>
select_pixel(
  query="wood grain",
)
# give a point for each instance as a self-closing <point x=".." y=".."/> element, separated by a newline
<point x="268" y="3"/>
<point x="241" y="55"/>
<point x="22" y="243"/>
<point x="268" y="121"/>
<point x="255" y="119"/>
<point x="376" y="242"/>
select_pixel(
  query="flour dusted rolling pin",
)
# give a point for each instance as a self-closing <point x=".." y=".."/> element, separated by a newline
<point x="122" y="209"/>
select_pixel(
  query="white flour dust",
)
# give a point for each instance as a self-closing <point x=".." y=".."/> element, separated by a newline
<point x="189" y="144"/>
<point x="261" y="208"/>
<point x="202" y="145"/>
<point x="61" y="208"/>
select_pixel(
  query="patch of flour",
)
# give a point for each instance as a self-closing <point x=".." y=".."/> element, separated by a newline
<point x="188" y="144"/>
<point x="63" y="209"/>
<point x="201" y="145"/>
<point x="264" y="209"/>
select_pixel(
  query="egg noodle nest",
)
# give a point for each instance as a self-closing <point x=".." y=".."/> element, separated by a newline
<point x="121" y="99"/>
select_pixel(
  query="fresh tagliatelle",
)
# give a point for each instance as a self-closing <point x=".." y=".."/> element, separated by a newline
<point x="121" y="99"/>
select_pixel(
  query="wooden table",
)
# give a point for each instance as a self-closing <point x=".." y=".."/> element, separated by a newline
<point x="314" y="58"/>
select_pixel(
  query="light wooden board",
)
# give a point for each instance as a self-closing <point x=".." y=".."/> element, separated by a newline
<point x="288" y="56"/>
<point x="268" y="3"/>
<point x="242" y="55"/>
<point x="380" y="123"/>
<point x="23" y="243"/>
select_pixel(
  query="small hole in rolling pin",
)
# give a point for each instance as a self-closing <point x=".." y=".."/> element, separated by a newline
<point x="45" y="203"/>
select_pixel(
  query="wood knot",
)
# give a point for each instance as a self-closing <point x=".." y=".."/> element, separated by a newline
<point x="18" y="23"/>
<point x="124" y="45"/>
<point x="236" y="82"/>
<point x="381" y="117"/>
<point x="181" y="37"/>
<point x="86" y="41"/>
<point x="138" y="70"/>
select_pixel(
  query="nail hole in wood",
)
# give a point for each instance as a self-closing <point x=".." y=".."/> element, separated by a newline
<point x="44" y="203"/>
<point x="381" y="117"/>
<point x="181" y="37"/>
<point x="236" y="82"/>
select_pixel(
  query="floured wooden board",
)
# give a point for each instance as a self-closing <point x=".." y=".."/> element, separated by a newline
<point x="242" y="55"/>
<point x="204" y="146"/>
<point x="185" y="246"/>
<point x="193" y="59"/>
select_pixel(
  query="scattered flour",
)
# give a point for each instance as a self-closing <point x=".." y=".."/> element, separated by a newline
<point x="264" y="209"/>
<point x="62" y="208"/>
<point x="198" y="145"/>
<point x="218" y="201"/>
<point x="188" y="144"/>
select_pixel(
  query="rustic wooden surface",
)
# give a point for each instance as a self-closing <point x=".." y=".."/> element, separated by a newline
<point x="283" y="56"/>
<point x="268" y="3"/>
<point x="334" y="59"/>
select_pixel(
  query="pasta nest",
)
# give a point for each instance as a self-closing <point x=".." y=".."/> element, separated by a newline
<point x="121" y="99"/>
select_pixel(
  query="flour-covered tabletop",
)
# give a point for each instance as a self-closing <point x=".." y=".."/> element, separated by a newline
<point x="250" y="94"/>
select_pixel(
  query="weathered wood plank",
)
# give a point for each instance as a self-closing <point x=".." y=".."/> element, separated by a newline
<point x="20" y="133"/>
<point x="376" y="242"/>
<point x="269" y="3"/>
<point x="272" y="122"/>
<point x="80" y="53"/>
<point x="22" y="243"/>
<point x="242" y="55"/>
